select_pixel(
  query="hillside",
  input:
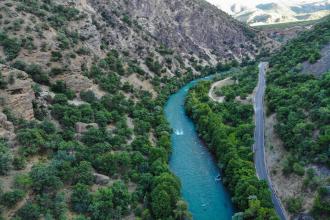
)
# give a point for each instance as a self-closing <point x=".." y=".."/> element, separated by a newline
<point x="261" y="12"/>
<point x="82" y="85"/>
<point x="297" y="133"/>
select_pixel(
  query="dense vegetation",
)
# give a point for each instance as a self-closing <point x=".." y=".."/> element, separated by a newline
<point x="302" y="106"/>
<point x="112" y="152"/>
<point x="227" y="129"/>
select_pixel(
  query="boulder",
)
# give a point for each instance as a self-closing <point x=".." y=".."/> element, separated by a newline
<point x="101" y="179"/>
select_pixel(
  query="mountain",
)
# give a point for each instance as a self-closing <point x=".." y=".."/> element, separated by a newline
<point x="82" y="85"/>
<point x="270" y="12"/>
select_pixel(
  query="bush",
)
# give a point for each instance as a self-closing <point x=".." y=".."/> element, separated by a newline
<point x="3" y="82"/>
<point x="61" y="87"/>
<point x="153" y="65"/>
<point x="88" y="96"/>
<point x="29" y="211"/>
<point x="321" y="206"/>
<point x="80" y="198"/>
<point x="84" y="173"/>
<point x="32" y="141"/>
<point x="5" y="158"/>
<point x="11" y="46"/>
<point x="298" y="169"/>
<point x="37" y="74"/>
<point x="56" y="56"/>
<point x="44" y="179"/>
<point x="61" y="99"/>
<point x="10" y="199"/>
<point x="294" y="205"/>
<point x="111" y="202"/>
<point x="22" y="181"/>
<point x="19" y="162"/>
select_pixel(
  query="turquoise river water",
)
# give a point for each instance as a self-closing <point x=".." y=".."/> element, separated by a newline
<point x="194" y="165"/>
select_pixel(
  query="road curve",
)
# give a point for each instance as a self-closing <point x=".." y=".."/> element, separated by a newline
<point x="259" y="137"/>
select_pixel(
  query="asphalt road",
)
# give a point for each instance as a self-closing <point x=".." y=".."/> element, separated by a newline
<point x="259" y="136"/>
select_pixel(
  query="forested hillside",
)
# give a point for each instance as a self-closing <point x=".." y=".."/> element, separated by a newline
<point x="227" y="127"/>
<point x="302" y="106"/>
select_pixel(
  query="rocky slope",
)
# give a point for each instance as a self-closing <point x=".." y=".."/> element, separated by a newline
<point x="182" y="33"/>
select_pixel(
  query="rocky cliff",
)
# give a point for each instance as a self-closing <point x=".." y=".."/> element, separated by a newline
<point x="16" y="95"/>
<point x="188" y="26"/>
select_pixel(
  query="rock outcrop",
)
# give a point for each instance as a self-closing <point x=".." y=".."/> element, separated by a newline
<point x="83" y="127"/>
<point x="17" y="95"/>
<point x="101" y="179"/>
<point x="6" y="128"/>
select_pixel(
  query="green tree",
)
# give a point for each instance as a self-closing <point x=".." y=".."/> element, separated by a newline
<point x="29" y="211"/>
<point x="161" y="203"/>
<point x="181" y="211"/>
<point x="294" y="205"/>
<point x="80" y="198"/>
<point x="102" y="207"/>
<point x="10" y="199"/>
<point x="44" y="179"/>
<point x="84" y="173"/>
<point x="6" y="158"/>
<point x="121" y="197"/>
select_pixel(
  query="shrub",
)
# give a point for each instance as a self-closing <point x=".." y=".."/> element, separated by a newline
<point x="80" y="198"/>
<point x="5" y="158"/>
<point x="44" y="179"/>
<point x="61" y="99"/>
<point x="37" y="74"/>
<point x="3" y="82"/>
<point x="61" y="87"/>
<point x="88" y="96"/>
<point x="153" y="66"/>
<point x="11" y="46"/>
<point x="10" y="199"/>
<point x="56" y="56"/>
<point x="29" y="211"/>
<point x="19" y="162"/>
<point x="294" y="205"/>
<point x="298" y="169"/>
<point x="22" y="181"/>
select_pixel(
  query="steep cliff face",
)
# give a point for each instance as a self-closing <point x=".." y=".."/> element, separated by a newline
<point x="189" y="26"/>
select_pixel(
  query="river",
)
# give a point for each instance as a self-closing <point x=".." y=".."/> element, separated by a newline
<point x="194" y="165"/>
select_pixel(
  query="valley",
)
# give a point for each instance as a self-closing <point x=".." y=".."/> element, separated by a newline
<point x="158" y="110"/>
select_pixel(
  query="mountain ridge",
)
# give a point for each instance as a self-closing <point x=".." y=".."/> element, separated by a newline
<point x="270" y="12"/>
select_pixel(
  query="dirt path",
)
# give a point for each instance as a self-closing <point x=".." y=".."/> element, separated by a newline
<point x="219" y="84"/>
